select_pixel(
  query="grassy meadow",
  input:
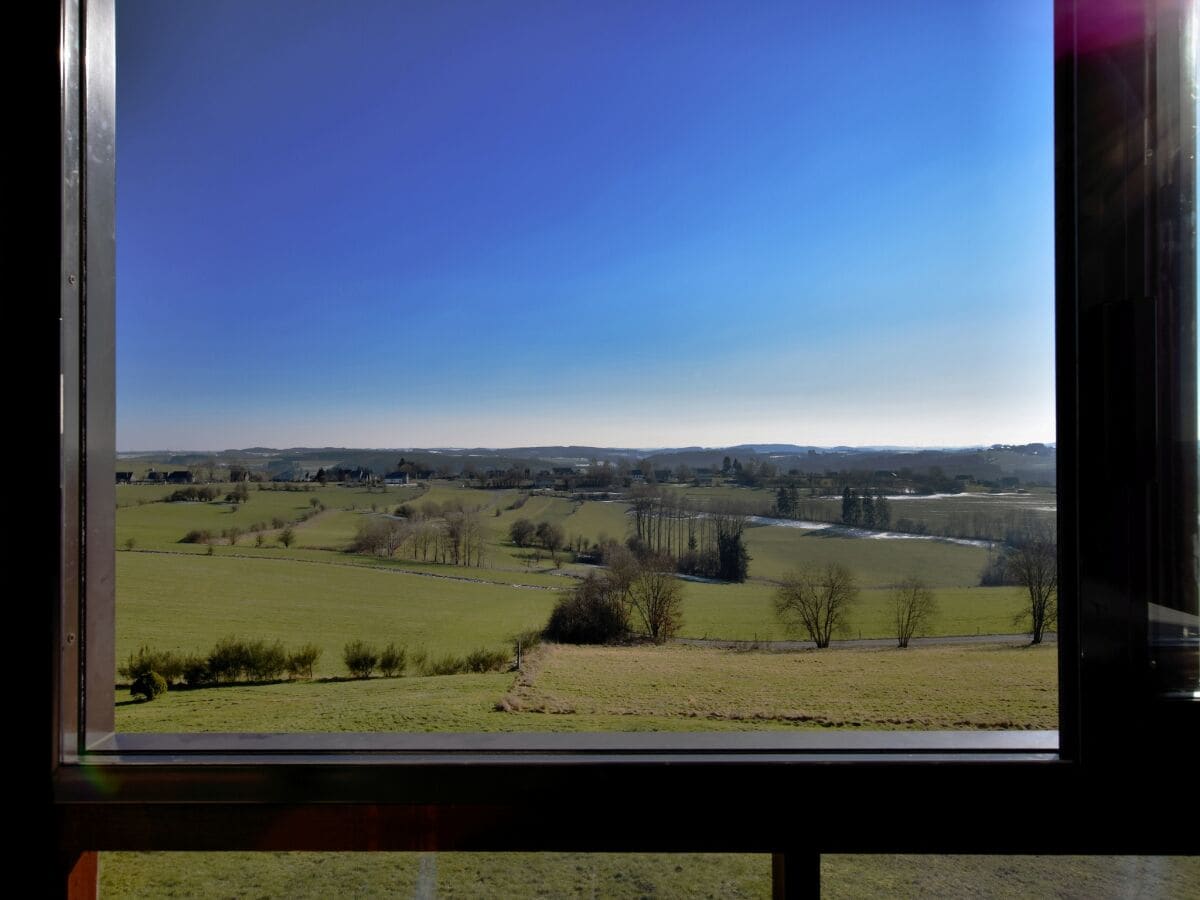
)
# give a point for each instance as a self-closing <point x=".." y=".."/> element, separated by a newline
<point x="647" y="688"/>
<point x="468" y="875"/>
<point x="630" y="875"/>
<point x="186" y="596"/>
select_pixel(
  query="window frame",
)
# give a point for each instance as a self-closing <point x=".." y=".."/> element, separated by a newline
<point x="702" y="791"/>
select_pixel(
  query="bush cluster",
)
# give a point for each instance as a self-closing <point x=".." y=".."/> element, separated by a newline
<point x="191" y="494"/>
<point x="592" y="613"/>
<point x="524" y="533"/>
<point x="362" y="659"/>
<point x="231" y="659"/>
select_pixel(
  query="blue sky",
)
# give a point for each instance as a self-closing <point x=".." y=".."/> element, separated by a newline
<point x="610" y="223"/>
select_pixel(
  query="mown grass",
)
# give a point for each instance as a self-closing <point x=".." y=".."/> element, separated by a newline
<point x="1091" y="877"/>
<point x="595" y="520"/>
<point x="620" y="875"/>
<point x="945" y="687"/>
<point x="333" y="529"/>
<point x="395" y="875"/>
<point x="876" y="562"/>
<point x="646" y="688"/>
<point x="187" y="602"/>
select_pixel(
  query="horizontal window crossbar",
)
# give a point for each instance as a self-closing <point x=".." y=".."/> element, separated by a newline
<point x="318" y="747"/>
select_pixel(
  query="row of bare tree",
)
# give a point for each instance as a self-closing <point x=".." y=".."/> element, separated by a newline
<point x="448" y="534"/>
<point x="814" y="601"/>
<point x="702" y="540"/>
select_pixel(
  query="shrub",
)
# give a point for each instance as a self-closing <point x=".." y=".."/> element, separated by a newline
<point x="197" y="536"/>
<point x="446" y="665"/>
<point x="196" y="672"/>
<point x="277" y="522"/>
<point x="167" y="664"/>
<point x="287" y="536"/>
<point x="229" y="659"/>
<point x="360" y="658"/>
<point x="300" y="662"/>
<point x="265" y="662"/>
<point x="419" y="660"/>
<point x="590" y="614"/>
<point x="148" y="686"/>
<point x="484" y="660"/>
<point x="392" y="660"/>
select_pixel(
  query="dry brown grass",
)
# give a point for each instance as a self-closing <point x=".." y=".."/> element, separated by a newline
<point x="951" y="687"/>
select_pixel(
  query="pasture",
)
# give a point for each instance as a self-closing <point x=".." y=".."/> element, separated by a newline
<point x="635" y="875"/>
<point x="468" y="875"/>
<point x="187" y="602"/>
<point x="647" y="688"/>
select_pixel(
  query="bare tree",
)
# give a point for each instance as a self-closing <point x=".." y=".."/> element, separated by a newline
<point x="913" y="606"/>
<point x="1033" y="563"/>
<point x="656" y="597"/>
<point x="814" y="601"/>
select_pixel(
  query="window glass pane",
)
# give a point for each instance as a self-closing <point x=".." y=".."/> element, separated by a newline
<point x="1175" y="615"/>
<point x="588" y="366"/>
<point x="430" y="875"/>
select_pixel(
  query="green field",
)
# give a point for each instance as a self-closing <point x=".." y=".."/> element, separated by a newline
<point x="629" y="875"/>
<point x="333" y="529"/>
<point x="186" y="597"/>
<point x="945" y="687"/>
<point x="876" y="562"/>
<point x="188" y="602"/>
<point x="743" y="612"/>
<point x="468" y="875"/>
<point x="646" y="688"/>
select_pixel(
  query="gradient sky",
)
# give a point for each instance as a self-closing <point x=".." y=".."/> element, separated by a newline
<point x="398" y="224"/>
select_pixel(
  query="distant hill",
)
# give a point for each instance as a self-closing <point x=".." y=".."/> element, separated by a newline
<point x="1030" y="463"/>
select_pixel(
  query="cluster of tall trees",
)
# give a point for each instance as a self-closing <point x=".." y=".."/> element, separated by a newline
<point x="701" y="541"/>
<point x="751" y="473"/>
<point x="789" y="504"/>
<point x="448" y="533"/>
<point x="524" y="533"/>
<point x="866" y="510"/>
